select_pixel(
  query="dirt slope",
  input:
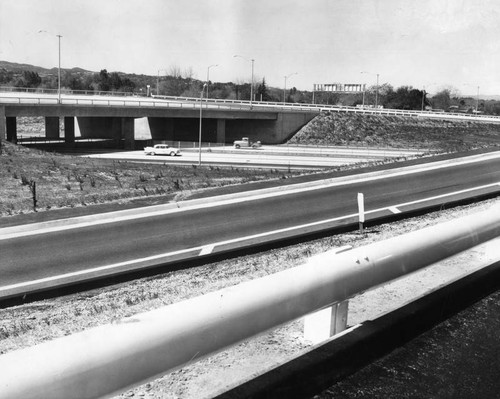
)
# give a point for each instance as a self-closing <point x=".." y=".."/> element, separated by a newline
<point x="397" y="131"/>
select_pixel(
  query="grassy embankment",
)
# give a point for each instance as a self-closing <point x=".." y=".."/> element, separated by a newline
<point x="397" y="132"/>
<point x="70" y="181"/>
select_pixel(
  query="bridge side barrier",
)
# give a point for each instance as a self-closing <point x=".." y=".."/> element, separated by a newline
<point x="109" y="359"/>
<point x="141" y="100"/>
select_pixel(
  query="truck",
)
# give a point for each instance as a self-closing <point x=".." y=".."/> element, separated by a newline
<point x="245" y="143"/>
<point x="162" y="149"/>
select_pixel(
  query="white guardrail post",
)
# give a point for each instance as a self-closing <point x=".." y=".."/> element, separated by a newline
<point x="109" y="359"/>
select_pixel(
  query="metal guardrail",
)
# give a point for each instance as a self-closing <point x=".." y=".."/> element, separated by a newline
<point x="109" y="359"/>
<point x="138" y="100"/>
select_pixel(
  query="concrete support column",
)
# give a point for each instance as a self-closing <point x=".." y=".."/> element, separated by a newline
<point x="52" y="127"/>
<point x="221" y="130"/>
<point x="11" y="129"/>
<point x="116" y="130"/>
<point x="69" y="130"/>
<point x="3" y="126"/>
<point x="128" y="132"/>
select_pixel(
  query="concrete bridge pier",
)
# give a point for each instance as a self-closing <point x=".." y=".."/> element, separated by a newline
<point x="3" y="126"/>
<point x="8" y="127"/>
<point x="221" y="130"/>
<point x="69" y="130"/>
<point x="11" y="122"/>
<point x="52" y="130"/>
<point x="128" y="133"/>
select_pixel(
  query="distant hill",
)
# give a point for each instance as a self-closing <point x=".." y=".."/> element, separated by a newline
<point x="492" y="97"/>
<point x="15" y="67"/>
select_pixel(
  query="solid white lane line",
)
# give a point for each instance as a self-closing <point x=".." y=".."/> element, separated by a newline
<point x="95" y="269"/>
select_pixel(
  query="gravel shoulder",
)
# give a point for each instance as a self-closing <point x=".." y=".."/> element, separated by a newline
<point x="33" y="323"/>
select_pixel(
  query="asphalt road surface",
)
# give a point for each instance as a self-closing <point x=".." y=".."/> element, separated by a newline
<point x="40" y="256"/>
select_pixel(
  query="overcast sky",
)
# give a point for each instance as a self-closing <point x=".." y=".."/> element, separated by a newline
<point x="429" y="43"/>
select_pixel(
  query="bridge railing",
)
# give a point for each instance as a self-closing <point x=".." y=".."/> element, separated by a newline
<point x="109" y="359"/>
<point x="41" y="90"/>
<point x="123" y="99"/>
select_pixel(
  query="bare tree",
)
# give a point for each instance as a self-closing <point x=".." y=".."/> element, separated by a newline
<point x="188" y="73"/>
<point x="174" y="71"/>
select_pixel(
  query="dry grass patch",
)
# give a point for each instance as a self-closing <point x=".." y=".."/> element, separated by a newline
<point x="70" y="181"/>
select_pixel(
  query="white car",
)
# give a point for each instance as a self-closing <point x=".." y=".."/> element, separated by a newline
<point x="162" y="149"/>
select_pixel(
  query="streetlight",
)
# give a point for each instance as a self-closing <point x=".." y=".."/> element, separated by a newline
<point x="376" y="91"/>
<point x="284" y="90"/>
<point x="59" y="71"/>
<point x="208" y="77"/>
<point x="251" y="86"/>
<point x="158" y="81"/>
<point x="423" y="98"/>
<point x="199" y="136"/>
<point x="59" y="68"/>
<point x="477" y="101"/>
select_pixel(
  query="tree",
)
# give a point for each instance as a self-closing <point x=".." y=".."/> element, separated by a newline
<point x="103" y="81"/>
<point x="6" y="77"/>
<point x="127" y="85"/>
<point x="405" y="97"/>
<point x="30" y="79"/>
<point x="262" y="92"/>
<point x="174" y="71"/>
<point x="442" y="99"/>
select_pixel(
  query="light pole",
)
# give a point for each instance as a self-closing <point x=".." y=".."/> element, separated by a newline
<point x="423" y="98"/>
<point x="199" y="136"/>
<point x="284" y="90"/>
<point x="477" y="101"/>
<point x="59" y="67"/>
<point x="208" y="77"/>
<point x="376" y="90"/>
<point x="158" y="82"/>
<point x="59" y="71"/>
<point x="251" y="85"/>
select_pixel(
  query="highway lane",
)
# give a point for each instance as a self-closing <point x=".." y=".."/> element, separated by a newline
<point x="241" y="158"/>
<point x="51" y="254"/>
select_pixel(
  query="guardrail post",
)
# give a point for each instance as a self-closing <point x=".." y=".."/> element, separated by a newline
<point x="325" y="323"/>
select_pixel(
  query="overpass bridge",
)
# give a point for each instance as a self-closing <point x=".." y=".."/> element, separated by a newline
<point x="124" y="117"/>
<point x="166" y="118"/>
